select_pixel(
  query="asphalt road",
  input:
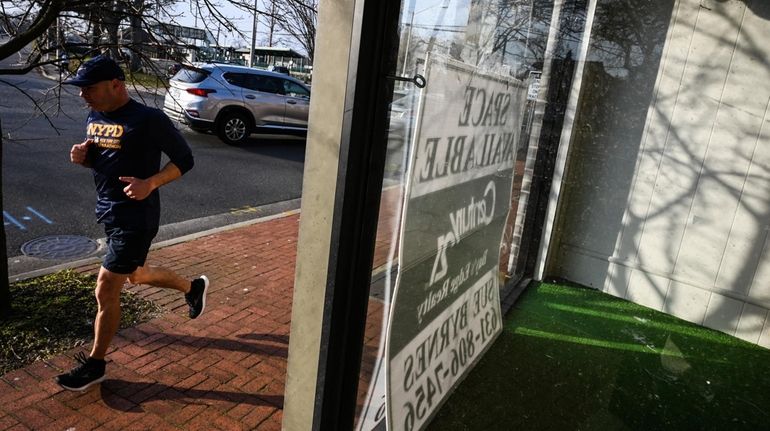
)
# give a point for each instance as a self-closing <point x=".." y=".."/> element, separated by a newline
<point x="45" y="194"/>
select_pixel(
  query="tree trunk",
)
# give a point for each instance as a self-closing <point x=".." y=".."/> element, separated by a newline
<point x="137" y="35"/>
<point x="95" y="18"/>
<point x="111" y="22"/>
<point x="5" y="288"/>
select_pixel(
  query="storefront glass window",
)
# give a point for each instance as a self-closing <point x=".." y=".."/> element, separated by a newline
<point x="458" y="171"/>
<point x="658" y="130"/>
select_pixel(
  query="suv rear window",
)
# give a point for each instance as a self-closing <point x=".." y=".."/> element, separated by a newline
<point x="237" y="79"/>
<point x="191" y="76"/>
<point x="266" y="84"/>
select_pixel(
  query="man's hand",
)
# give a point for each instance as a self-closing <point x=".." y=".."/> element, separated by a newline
<point x="79" y="152"/>
<point x="137" y="188"/>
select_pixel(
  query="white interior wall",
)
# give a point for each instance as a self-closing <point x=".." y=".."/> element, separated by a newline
<point x="676" y="218"/>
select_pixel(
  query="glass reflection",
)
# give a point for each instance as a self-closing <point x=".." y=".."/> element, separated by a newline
<point x="505" y="38"/>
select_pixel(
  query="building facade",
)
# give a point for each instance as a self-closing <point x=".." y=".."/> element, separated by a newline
<point x="458" y="149"/>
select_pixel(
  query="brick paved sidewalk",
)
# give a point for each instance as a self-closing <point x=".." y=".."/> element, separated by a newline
<point x="223" y="371"/>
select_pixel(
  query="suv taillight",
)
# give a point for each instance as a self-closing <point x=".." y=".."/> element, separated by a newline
<point x="202" y="92"/>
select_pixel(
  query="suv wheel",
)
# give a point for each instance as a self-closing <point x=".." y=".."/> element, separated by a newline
<point x="234" y="128"/>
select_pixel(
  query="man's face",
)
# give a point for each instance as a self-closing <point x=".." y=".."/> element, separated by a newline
<point x="101" y="96"/>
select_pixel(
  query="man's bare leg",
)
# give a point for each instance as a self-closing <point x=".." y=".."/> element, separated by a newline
<point x="159" y="277"/>
<point x="108" y="287"/>
<point x="92" y="369"/>
<point x="195" y="291"/>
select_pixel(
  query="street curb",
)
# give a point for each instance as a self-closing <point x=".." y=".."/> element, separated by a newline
<point x="194" y="236"/>
<point x="158" y="245"/>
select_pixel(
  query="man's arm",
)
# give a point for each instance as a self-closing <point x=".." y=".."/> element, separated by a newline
<point x="172" y="143"/>
<point x="139" y="189"/>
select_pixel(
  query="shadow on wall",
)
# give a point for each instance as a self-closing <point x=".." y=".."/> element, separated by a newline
<point x="617" y="88"/>
<point x="758" y="7"/>
<point x="665" y="200"/>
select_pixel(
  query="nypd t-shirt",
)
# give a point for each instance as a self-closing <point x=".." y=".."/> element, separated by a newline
<point x="128" y="142"/>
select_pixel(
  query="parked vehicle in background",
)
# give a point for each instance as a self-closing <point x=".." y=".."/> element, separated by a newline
<point x="173" y="69"/>
<point x="235" y="101"/>
<point x="64" y="62"/>
<point x="279" y="69"/>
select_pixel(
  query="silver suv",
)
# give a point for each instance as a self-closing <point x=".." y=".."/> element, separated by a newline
<point x="235" y="101"/>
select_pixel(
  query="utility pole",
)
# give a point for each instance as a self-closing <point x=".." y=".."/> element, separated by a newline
<point x="253" y="35"/>
<point x="58" y="40"/>
<point x="272" y="22"/>
<point x="408" y="39"/>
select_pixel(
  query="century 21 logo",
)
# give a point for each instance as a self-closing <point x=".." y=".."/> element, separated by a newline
<point x="105" y="135"/>
<point x="464" y="220"/>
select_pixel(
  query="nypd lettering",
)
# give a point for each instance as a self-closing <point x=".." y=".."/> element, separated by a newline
<point x="105" y="135"/>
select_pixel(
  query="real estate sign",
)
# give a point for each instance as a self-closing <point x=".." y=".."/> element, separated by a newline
<point x="446" y="308"/>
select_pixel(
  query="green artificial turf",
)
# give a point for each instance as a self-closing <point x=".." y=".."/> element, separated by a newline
<point x="572" y="358"/>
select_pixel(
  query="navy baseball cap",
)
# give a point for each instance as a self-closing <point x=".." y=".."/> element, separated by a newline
<point x="97" y="69"/>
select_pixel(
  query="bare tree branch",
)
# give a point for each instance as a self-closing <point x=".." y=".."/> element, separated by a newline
<point x="37" y="105"/>
<point x="299" y="20"/>
<point x="49" y="12"/>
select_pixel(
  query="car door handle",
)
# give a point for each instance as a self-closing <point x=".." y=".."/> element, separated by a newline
<point x="291" y="102"/>
<point x="250" y="96"/>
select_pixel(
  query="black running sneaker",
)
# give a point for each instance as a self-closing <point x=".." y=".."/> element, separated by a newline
<point x="196" y="297"/>
<point x="89" y="372"/>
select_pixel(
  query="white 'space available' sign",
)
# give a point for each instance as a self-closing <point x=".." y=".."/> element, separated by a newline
<point x="445" y="311"/>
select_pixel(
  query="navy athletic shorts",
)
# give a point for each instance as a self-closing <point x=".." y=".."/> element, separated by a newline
<point x="126" y="248"/>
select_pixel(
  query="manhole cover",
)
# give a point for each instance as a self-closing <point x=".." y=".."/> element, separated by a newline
<point x="57" y="247"/>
